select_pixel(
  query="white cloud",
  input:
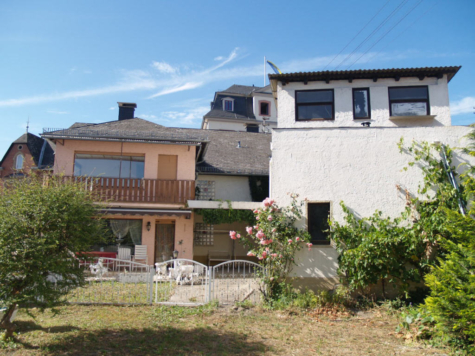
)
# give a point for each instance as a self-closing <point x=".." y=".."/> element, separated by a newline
<point x="164" y="67"/>
<point x="191" y="117"/>
<point x="187" y="78"/>
<point x="56" y="112"/>
<point x="186" y="86"/>
<point x="219" y="58"/>
<point x="463" y="106"/>
<point x="147" y="117"/>
<point x="112" y="108"/>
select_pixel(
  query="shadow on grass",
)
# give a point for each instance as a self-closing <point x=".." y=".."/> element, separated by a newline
<point x="25" y="326"/>
<point x="160" y="341"/>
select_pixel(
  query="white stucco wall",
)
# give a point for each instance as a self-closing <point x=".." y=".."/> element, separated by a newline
<point x="256" y="98"/>
<point x="379" y="102"/>
<point x="234" y="188"/>
<point x="360" y="166"/>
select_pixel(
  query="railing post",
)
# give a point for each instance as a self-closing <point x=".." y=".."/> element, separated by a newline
<point x="210" y="280"/>
<point x="150" y="293"/>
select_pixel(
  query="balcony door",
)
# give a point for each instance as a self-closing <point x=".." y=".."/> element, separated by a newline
<point x="164" y="241"/>
<point x="167" y="167"/>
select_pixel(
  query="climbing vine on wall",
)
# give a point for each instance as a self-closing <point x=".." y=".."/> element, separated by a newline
<point x="225" y="216"/>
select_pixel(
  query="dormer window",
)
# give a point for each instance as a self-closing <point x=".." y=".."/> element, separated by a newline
<point x="228" y="104"/>
<point x="264" y="108"/>
<point x="19" y="159"/>
<point x="409" y="101"/>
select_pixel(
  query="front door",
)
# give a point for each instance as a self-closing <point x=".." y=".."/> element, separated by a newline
<point x="164" y="242"/>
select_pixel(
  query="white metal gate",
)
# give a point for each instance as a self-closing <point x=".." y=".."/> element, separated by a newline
<point x="181" y="282"/>
<point x="236" y="281"/>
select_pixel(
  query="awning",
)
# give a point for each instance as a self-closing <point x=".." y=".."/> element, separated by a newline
<point x="147" y="212"/>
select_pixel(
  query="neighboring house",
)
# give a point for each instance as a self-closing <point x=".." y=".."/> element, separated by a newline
<point x="28" y="152"/>
<point x="235" y="169"/>
<point x="242" y="108"/>
<point x="321" y="150"/>
<point x="146" y="175"/>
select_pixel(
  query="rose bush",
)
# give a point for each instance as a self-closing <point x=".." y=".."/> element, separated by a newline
<point x="274" y="240"/>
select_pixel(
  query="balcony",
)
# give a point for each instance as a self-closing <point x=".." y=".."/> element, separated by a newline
<point x="138" y="190"/>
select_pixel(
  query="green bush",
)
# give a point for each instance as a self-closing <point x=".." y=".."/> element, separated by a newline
<point x="452" y="283"/>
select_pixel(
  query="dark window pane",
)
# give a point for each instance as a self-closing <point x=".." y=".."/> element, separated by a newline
<point x="264" y="109"/>
<point x="228" y="105"/>
<point x="318" y="214"/>
<point x="408" y="93"/>
<point x="320" y="96"/>
<point x="252" y="128"/>
<point x="307" y="112"/>
<point x="108" y="166"/>
<point x="361" y="103"/>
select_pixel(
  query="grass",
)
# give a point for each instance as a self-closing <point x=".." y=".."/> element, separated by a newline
<point x="207" y="330"/>
<point x="111" y="292"/>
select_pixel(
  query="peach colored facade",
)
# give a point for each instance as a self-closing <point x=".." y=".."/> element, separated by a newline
<point x="64" y="158"/>
<point x="186" y="155"/>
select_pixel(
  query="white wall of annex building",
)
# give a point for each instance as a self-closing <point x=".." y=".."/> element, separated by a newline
<point x="379" y="102"/>
<point x="234" y="188"/>
<point x="360" y="166"/>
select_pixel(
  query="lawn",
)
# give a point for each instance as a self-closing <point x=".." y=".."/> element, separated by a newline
<point x="207" y="330"/>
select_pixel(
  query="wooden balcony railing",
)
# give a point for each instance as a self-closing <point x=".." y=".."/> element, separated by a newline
<point x="138" y="190"/>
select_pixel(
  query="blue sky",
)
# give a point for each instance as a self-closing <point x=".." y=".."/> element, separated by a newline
<point x="71" y="61"/>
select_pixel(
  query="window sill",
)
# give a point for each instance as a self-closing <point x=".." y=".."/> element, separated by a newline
<point x="304" y="120"/>
<point x="414" y="117"/>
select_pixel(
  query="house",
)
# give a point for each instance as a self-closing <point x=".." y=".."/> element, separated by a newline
<point x="242" y="108"/>
<point x="336" y="140"/>
<point x="28" y="152"/>
<point x="151" y="177"/>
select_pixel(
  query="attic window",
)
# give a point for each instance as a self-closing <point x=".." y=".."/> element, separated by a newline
<point x="20" y="147"/>
<point x="228" y="104"/>
<point x="264" y="108"/>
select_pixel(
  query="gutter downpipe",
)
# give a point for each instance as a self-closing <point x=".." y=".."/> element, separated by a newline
<point x="452" y="180"/>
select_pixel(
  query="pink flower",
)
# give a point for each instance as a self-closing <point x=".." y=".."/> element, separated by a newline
<point x="267" y="249"/>
<point x="280" y="256"/>
<point x="257" y="218"/>
<point x="269" y="218"/>
<point x="256" y="227"/>
<point x="256" y="211"/>
<point x="249" y="230"/>
<point x="264" y="254"/>
<point x="297" y="238"/>
<point x="260" y="235"/>
<point x="290" y="241"/>
<point x="232" y="234"/>
<point x="309" y="245"/>
<point x="238" y="236"/>
<point x="274" y="255"/>
<point x="274" y="229"/>
<point x="260" y="257"/>
<point x="268" y="202"/>
<point x="251" y="254"/>
<point x="271" y="278"/>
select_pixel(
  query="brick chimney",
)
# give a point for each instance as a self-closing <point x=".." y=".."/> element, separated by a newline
<point x="126" y="110"/>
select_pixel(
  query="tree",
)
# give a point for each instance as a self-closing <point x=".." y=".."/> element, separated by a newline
<point x="274" y="240"/>
<point x="45" y="224"/>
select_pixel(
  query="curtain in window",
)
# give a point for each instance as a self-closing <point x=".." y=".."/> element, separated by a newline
<point x="135" y="230"/>
<point x="120" y="228"/>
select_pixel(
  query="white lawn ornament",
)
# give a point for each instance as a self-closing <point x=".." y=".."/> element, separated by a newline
<point x="98" y="269"/>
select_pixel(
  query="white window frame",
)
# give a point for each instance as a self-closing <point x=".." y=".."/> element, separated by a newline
<point x="224" y="104"/>
<point x="22" y="161"/>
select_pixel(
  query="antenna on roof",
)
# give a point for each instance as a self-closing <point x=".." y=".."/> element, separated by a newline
<point x="28" y="124"/>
